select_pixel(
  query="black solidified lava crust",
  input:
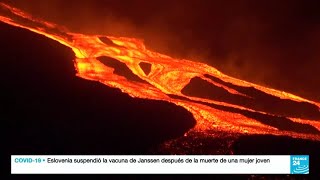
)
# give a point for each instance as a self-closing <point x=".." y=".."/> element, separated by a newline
<point x="146" y="67"/>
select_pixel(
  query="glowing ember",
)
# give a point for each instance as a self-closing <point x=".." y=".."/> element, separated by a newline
<point x="167" y="79"/>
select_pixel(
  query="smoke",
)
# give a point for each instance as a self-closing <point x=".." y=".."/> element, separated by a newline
<point x="273" y="43"/>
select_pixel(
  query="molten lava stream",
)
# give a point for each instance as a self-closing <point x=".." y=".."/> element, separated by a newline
<point x="167" y="78"/>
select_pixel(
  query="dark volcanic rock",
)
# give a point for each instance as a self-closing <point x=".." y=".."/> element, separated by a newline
<point x="108" y="41"/>
<point x="146" y="67"/>
<point x="48" y="110"/>
<point x="120" y="69"/>
<point x="258" y="100"/>
<point x="281" y="123"/>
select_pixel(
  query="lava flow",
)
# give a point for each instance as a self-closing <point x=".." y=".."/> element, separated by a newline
<point x="218" y="102"/>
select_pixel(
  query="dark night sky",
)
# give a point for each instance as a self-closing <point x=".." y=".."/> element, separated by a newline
<point x="273" y="43"/>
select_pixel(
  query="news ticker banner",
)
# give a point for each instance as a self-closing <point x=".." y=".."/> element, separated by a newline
<point x="159" y="164"/>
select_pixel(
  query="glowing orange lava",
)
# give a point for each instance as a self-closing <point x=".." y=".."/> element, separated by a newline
<point x="168" y="76"/>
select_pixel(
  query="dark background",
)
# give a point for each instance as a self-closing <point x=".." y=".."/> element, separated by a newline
<point x="272" y="43"/>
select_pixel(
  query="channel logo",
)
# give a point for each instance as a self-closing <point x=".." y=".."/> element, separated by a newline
<point x="299" y="164"/>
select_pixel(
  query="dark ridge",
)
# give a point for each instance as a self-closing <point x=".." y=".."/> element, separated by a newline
<point x="146" y="67"/>
<point x="48" y="110"/>
<point x="120" y="69"/>
<point x="279" y="145"/>
<point x="260" y="101"/>
<point x="282" y="123"/>
<point x="107" y="41"/>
